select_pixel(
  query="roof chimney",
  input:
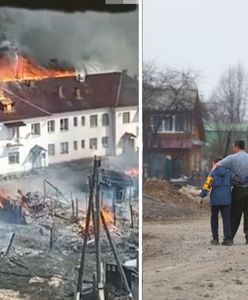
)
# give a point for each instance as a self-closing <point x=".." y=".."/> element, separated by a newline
<point x="61" y="94"/>
<point x="81" y="77"/>
<point x="78" y="93"/>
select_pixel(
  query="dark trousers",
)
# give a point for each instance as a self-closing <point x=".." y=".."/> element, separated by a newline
<point x="239" y="207"/>
<point x="226" y="218"/>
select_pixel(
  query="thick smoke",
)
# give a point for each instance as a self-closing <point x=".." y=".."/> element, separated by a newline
<point x="99" y="41"/>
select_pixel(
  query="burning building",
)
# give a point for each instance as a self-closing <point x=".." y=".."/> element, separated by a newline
<point x="50" y="116"/>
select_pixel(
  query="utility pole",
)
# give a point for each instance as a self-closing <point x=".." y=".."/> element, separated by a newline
<point x="94" y="211"/>
<point x="87" y="225"/>
<point x="100" y="290"/>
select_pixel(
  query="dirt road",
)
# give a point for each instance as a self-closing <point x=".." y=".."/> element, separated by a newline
<point x="179" y="263"/>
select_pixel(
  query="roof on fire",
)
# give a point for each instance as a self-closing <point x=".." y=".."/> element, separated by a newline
<point x="43" y="98"/>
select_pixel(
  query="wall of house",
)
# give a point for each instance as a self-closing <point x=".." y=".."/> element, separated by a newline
<point x="122" y="128"/>
<point x="114" y="131"/>
<point x="79" y="133"/>
<point x="9" y="144"/>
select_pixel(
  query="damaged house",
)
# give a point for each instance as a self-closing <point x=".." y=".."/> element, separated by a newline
<point x="173" y="133"/>
<point x="59" y="119"/>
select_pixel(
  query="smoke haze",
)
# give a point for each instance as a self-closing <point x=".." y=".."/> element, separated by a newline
<point x="97" y="41"/>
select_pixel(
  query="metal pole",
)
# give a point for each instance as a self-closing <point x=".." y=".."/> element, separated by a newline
<point x="77" y="209"/>
<point x="97" y="237"/>
<point x="87" y="224"/>
<point x="102" y="199"/>
<point x="10" y="244"/>
<point x="131" y="213"/>
<point x="73" y="210"/>
<point x="44" y="187"/>
<point x="113" y="247"/>
<point x="113" y="208"/>
<point x="131" y="208"/>
<point x="51" y="237"/>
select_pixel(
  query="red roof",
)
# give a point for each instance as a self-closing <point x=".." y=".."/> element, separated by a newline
<point x="97" y="91"/>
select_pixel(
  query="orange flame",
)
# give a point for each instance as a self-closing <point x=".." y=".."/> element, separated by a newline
<point x="108" y="216"/>
<point x="24" y="68"/>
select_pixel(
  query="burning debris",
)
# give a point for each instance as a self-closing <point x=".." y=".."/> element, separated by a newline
<point x="44" y="235"/>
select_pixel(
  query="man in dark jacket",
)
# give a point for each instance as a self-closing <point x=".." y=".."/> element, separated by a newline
<point x="238" y="164"/>
<point x="218" y="183"/>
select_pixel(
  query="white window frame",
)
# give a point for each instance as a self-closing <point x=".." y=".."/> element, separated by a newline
<point x="51" y="153"/>
<point x="124" y="121"/>
<point x="94" y="121"/>
<point x="16" y="156"/>
<point x="105" y="120"/>
<point x="83" y="144"/>
<point x="75" y="145"/>
<point x="91" y="142"/>
<point x="64" y="148"/>
<point x="33" y="127"/>
<point x="64" y="124"/>
<point x="51" y="126"/>
<point x="83" y="121"/>
<point x="163" y="125"/>
<point x="75" y="121"/>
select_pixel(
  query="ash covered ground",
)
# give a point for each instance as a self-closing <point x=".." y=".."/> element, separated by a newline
<point x="32" y="270"/>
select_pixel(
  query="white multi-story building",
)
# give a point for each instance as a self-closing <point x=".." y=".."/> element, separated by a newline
<point x="62" y="119"/>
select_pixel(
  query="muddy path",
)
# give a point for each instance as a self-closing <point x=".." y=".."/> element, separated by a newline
<point x="179" y="263"/>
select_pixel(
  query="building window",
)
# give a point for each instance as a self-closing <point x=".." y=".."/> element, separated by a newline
<point x="82" y="144"/>
<point x="93" y="143"/>
<point x="82" y="121"/>
<point x="179" y="123"/>
<point x="51" y="149"/>
<point x="75" y="145"/>
<point x="172" y="123"/>
<point x="64" y="124"/>
<point x="93" y="121"/>
<point x="75" y="121"/>
<point x="51" y="126"/>
<point x="64" y="148"/>
<point x="35" y="129"/>
<point x="105" y="142"/>
<point x="105" y="119"/>
<point x="14" y="158"/>
<point x="126" y="117"/>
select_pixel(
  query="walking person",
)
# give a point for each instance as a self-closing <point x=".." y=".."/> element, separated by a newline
<point x="237" y="163"/>
<point x="218" y="183"/>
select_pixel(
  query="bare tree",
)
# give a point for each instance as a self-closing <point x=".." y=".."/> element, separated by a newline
<point x="231" y="94"/>
<point x="156" y="81"/>
<point x="227" y="109"/>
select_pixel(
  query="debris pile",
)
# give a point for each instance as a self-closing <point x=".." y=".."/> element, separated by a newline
<point x="42" y="240"/>
<point x="163" y="202"/>
<point x="162" y="190"/>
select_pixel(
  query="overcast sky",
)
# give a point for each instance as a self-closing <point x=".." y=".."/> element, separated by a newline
<point x="205" y="35"/>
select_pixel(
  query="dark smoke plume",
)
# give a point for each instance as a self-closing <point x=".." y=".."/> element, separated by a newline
<point x="97" y="41"/>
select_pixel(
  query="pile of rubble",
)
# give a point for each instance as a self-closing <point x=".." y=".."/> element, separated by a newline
<point x="42" y="240"/>
<point x="163" y="202"/>
<point x="163" y="190"/>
